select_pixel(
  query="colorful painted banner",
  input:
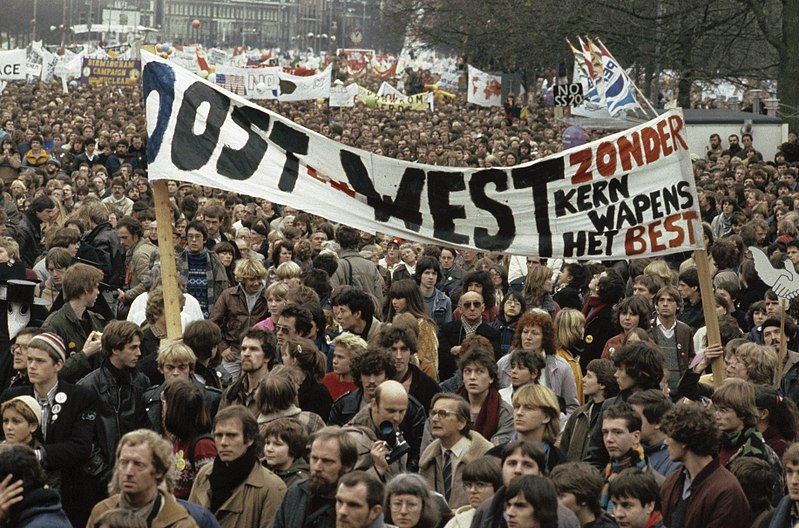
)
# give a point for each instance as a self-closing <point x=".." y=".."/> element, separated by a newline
<point x="107" y="71"/>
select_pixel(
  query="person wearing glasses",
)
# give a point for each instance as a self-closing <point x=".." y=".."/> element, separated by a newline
<point x="17" y="375"/>
<point x="452" y="334"/>
<point x="57" y="261"/>
<point x="454" y="446"/>
<point x="481" y="480"/>
<point x="409" y="503"/>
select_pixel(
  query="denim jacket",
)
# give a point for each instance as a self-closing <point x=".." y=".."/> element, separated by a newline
<point x="440" y="308"/>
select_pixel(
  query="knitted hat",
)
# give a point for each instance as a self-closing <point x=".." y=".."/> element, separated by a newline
<point x="33" y="405"/>
<point x="53" y="341"/>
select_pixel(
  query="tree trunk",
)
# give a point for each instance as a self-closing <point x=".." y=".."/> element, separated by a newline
<point x="788" y="74"/>
<point x="684" y="87"/>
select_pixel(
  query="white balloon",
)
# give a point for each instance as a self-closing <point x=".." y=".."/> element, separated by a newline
<point x="260" y="87"/>
<point x="212" y="77"/>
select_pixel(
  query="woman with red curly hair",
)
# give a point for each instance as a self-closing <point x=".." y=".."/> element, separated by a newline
<point x="535" y="332"/>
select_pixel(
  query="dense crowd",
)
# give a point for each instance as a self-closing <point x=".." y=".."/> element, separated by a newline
<point x="328" y="376"/>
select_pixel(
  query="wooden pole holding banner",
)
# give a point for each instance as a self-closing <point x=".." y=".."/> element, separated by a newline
<point x="709" y="310"/>
<point x="166" y="250"/>
<point x="784" y="304"/>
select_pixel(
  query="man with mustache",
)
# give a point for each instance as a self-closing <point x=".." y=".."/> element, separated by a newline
<point x="368" y="371"/>
<point x="312" y="502"/>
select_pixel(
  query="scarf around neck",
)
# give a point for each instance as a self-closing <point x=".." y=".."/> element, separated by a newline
<point x="226" y="477"/>
<point x="635" y="458"/>
<point x="487" y="421"/>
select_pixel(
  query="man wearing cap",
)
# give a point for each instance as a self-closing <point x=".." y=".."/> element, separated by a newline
<point x="789" y="360"/>
<point x="68" y="420"/>
<point x="51" y="167"/>
<point x="392" y="257"/>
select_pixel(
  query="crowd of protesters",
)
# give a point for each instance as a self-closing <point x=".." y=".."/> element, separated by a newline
<point x="328" y="376"/>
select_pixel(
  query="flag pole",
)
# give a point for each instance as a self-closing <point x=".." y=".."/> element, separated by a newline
<point x="637" y="90"/>
<point x="166" y="250"/>
<point x="709" y="310"/>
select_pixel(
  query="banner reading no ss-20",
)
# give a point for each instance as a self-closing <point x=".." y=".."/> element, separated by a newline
<point x="629" y="194"/>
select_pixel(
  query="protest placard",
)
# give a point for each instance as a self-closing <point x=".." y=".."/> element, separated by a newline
<point x="628" y="195"/>
<point x="12" y="65"/>
<point x="343" y="95"/>
<point x="110" y="71"/>
<point x="484" y="89"/>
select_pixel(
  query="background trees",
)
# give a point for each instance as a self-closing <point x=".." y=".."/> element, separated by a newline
<point x="695" y="39"/>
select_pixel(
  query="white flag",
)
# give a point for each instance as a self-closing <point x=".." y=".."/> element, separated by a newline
<point x="484" y="89"/>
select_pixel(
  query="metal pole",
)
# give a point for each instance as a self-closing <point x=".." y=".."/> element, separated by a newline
<point x="33" y="25"/>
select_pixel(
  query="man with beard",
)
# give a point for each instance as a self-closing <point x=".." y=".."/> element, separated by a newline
<point x="312" y="502"/>
<point x="235" y="487"/>
<point x="258" y="353"/>
<point x="368" y="371"/>
<point x="735" y="147"/>
<point x="714" y="149"/>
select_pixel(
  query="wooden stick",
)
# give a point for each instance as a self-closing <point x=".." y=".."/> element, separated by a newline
<point x="166" y="249"/>
<point x="783" y="340"/>
<point x="709" y="309"/>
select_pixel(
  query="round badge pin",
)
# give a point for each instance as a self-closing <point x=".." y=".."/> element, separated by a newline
<point x="56" y="409"/>
<point x="60" y="397"/>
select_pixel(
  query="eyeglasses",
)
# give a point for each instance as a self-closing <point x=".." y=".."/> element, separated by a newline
<point x="194" y="236"/>
<point x="411" y="506"/>
<point x="472" y="304"/>
<point x="282" y="329"/>
<point x="442" y="413"/>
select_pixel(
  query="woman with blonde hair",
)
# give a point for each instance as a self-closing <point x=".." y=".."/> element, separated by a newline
<point x="661" y="270"/>
<point x="347" y="348"/>
<point x="537" y="290"/>
<point x="569" y="327"/>
<point x="751" y="362"/>
<point x="276" y="294"/>
<point x="536" y="413"/>
<point x="289" y="273"/>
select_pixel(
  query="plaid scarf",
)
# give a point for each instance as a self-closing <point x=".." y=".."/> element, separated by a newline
<point x="468" y="329"/>
<point x="634" y="458"/>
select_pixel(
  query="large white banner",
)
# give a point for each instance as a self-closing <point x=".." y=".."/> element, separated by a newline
<point x="386" y="90"/>
<point x="303" y="88"/>
<point x="630" y="194"/>
<point x="341" y="95"/>
<point x="484" y="89"/>
<point x="12" y="65"/>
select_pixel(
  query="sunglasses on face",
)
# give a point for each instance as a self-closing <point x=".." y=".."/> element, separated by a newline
<point x="472" y="304"/>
